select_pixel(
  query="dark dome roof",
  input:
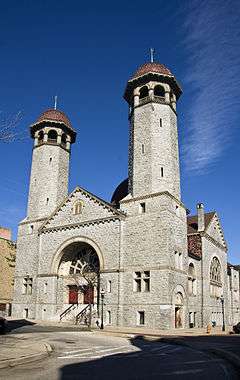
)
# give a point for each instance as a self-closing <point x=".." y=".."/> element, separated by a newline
<point x="120" y="192"/>
<point x="151" y="67"/>
<point x="54" y="115"/>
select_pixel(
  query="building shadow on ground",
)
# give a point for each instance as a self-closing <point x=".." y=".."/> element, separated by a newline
<point x="16" y="324"/>
<point x="174" y="361"/>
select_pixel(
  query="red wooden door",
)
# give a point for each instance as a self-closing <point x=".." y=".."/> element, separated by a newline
<point x="88" y="295"/>
<point x="73" y="294"/>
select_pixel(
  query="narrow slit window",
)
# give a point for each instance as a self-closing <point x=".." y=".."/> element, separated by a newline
<point x="47" y="201"/>
<point x="161" y="171"/>
<point x="160" y="123"/>
<point x="142" y="208"/>
<point x="109" y="286"/>
<point x="50" y="160"/>
<point x="109" y="317"/>
<point x="143" y="148"/>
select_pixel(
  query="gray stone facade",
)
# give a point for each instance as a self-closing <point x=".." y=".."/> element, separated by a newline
<point x="158" y="267"/>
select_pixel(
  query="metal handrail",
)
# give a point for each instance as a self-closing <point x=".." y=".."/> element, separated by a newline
<point x="83" y="311"/>
<point x="65" y="312"/>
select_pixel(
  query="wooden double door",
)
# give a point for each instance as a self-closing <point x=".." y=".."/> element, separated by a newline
<point x="88" y="294"/>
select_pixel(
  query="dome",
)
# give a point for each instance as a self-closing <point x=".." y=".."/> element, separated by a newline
<point x="151" y="71"/>
<point x="120" y="192"/>
<point x="54" y="115"/>
<point x="151" y="67"/>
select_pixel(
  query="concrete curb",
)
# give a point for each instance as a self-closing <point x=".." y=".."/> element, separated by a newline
<point x="28" y="358"/>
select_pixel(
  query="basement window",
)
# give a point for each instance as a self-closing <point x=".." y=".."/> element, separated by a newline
<point x="141" y="318"/>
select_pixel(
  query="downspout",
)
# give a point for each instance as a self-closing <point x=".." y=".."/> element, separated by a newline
<point x="119" y="268"/>
<point x="201" y="228"/>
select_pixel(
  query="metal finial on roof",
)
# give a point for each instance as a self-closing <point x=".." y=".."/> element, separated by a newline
<point x="152" y="51"/>
<point x="55" y="102"/>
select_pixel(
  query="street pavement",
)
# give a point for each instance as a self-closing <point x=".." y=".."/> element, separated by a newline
<point x="86" y="355"/>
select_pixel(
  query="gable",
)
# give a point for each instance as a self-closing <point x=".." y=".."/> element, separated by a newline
<point x="91" y="209"/>
<point x="215" y="231"/>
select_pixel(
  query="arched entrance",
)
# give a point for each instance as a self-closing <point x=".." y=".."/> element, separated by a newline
<point x="178" y="311"/>
<point x="79" y="269"/>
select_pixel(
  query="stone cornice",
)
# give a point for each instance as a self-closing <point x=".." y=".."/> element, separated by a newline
<point x="80" y="224"/>
<point x="32" y="221"/>
<point x="88" y="194"/>
<point x="155" y="101"/>
<point x="153" y="195"/>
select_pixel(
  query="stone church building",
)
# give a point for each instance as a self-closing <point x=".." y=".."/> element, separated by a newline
<point x="139" y="260"/>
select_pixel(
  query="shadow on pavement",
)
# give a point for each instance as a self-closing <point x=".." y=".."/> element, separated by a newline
<point x="16" y="324"/>
<point x="172" y="362"/>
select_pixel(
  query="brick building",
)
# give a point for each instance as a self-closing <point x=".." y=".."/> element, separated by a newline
<point x="7" y="265"/>
<point x="153" y="263"/>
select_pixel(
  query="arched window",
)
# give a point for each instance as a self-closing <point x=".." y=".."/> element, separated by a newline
<point x="86" y="260"/>
<point x="77" y="208"/>
<point x="63" y="139"/>
<point x="191" y="270"/>
<point x="40" y="136"/>
<point x="215" y="271"/>
<point x="192" y="285"/>
<point x="143" y="92"/>
<point x="52" y="136"/>
<point x="215" y="278"/>
<point x="159" y="91"/>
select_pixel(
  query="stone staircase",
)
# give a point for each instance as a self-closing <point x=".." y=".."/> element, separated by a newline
<point x="78" y="313"/>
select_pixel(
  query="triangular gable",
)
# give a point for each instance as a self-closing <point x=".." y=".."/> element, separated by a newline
<point x="92" y="208"/>
<point x="214" y="230"/>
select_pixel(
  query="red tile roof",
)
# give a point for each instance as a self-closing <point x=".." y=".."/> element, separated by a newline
<point x="192" y="222"/>
<point x="151" y="67"/>
<point x="54" y="115"/>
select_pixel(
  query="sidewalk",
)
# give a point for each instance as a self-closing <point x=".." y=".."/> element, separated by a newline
<point x="15" y="351"/>
<point x="164" y="333"/>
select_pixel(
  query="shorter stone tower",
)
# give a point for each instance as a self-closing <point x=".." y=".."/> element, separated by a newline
<point x="53" y="136"/>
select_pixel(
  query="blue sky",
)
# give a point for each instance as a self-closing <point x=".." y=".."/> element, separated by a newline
<point x="85" y="53"/>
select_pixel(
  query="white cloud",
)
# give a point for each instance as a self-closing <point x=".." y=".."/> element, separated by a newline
<point x="212" y="42"/>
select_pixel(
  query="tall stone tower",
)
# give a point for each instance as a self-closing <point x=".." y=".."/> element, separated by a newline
<point x="152" y="93"/>
<point x="53" y="136"/>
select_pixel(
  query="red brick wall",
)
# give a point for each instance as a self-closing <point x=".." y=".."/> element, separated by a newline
<point x="195" y="245"/>
<point x="5" y="233"/>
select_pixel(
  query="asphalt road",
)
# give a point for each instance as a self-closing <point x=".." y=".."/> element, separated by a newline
<point x="84" y="355"/>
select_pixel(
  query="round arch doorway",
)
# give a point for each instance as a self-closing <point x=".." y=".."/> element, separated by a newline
<point x="79" y="268"/>
<point x="178" y="310"/>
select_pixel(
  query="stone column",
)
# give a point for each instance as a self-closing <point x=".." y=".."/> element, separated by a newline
<point x="36" y="139"/>
<point x="151" y="93"/>
<point x="59" y="138"/>
<point x="136" y="100"/>
<point x="45" y="138"/>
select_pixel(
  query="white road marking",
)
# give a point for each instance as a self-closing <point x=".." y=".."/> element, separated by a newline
<point x="101" y="351"/>
<point x="114" y="348"/>
<point x="159" y="348"/>
<point x="82" y="350"/>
